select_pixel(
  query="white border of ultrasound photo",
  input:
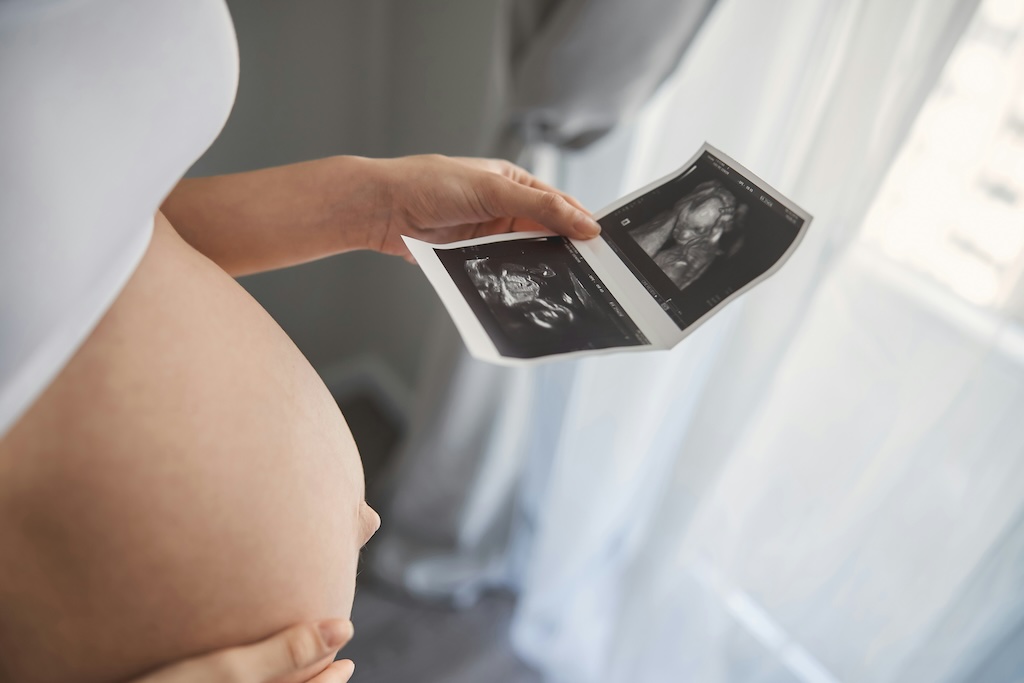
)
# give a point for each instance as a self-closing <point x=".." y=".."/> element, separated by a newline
<point x="655" y="323"/>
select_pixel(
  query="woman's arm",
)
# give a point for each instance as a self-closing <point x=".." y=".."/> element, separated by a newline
<point x="276" y="217"/>
<point x="281" y="216"/>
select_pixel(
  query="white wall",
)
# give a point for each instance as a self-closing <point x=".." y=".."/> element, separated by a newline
<point x="367" y="77"/>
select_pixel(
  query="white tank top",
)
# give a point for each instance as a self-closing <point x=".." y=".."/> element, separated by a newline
<point x="104" y="104"/>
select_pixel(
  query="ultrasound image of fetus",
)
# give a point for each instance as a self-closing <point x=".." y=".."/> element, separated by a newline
<point x="517" y="291"/>
<point x="685" y="240"/>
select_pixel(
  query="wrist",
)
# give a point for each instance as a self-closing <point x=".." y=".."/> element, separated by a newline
<point x="361" y="199"/>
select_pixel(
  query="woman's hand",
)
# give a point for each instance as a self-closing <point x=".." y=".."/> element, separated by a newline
<point x="276" y="217"/>
<point x="301" y="654"/>
<point x="442" y="199"/>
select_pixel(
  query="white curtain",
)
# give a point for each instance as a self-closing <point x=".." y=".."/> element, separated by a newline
<point x="825" y="483"/>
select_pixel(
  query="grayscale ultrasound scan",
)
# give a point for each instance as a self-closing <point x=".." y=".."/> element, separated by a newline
<point x="538" y="296"/>
<point x="669" y="257"/>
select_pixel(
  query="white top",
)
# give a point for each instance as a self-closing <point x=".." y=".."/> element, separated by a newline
<point x="104" y="104"/>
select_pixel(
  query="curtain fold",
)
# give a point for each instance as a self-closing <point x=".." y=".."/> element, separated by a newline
<point x="579" y="67"/>
<point x="821" y="484"/>
<point x="568" y="70"/>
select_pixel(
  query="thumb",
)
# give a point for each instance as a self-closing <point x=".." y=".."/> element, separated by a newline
<point x="543" y="207"/>
<point x="281" y="655"/>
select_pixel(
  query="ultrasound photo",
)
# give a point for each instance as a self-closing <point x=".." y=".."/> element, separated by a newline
<point x="690" y="243"/>
<point x="538" y="296"/>
<point x="708" y="232"/>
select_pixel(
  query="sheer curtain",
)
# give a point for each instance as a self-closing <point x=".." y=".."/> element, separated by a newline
<point x="825" y="483"/>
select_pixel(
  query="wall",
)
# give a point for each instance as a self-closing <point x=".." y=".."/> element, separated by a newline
<point x="374" y="78"/>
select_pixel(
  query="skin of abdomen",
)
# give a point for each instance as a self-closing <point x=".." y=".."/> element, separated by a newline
<point x="186" y="483"/>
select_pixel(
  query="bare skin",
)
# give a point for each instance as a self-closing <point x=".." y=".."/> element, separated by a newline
<point x="304" y="652"/>
<point x="187" y="482"/>
<point x="173" y="490"/>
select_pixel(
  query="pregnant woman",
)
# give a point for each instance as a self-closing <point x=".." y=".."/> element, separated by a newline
<point x="175" y="479"/>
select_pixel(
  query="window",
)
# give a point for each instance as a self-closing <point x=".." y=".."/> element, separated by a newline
<point x="951" y="210"/>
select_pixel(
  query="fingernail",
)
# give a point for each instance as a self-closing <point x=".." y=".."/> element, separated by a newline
<point x="347" y="667"/>
<point x="335" y="632"/>
<point x="587" y="226"/>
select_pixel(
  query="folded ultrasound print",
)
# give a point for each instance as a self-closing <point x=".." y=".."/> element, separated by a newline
<point x="670" y="256"/>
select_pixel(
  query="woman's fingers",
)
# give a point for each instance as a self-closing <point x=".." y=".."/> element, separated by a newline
<point x="505" y="197"/>
<point x="440" y="199"/>
<point x="338" y="672"/>
<point x="519" y="175"/>
<point x="524" y="177"/>
<point x="541" y="185"/>
<point x="296" y="648"/>
<point x="297" y="653"/>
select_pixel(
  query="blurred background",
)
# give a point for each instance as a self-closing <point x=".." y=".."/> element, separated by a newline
<point x="824" y="484"/>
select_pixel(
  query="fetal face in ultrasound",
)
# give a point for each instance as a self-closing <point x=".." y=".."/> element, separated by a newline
<point x="538" y="297"/>
<point x="702" y="226"/>
<point x="699" y="237"/>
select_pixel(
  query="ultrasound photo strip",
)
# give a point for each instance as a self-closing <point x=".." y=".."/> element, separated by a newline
<point x="670" y="256"/>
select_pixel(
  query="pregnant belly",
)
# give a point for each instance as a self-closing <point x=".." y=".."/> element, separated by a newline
<point x="186" y="483"/>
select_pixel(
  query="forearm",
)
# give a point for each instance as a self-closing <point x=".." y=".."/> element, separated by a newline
<point x="276" y="217"/>
<point x="281" y="216"/>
